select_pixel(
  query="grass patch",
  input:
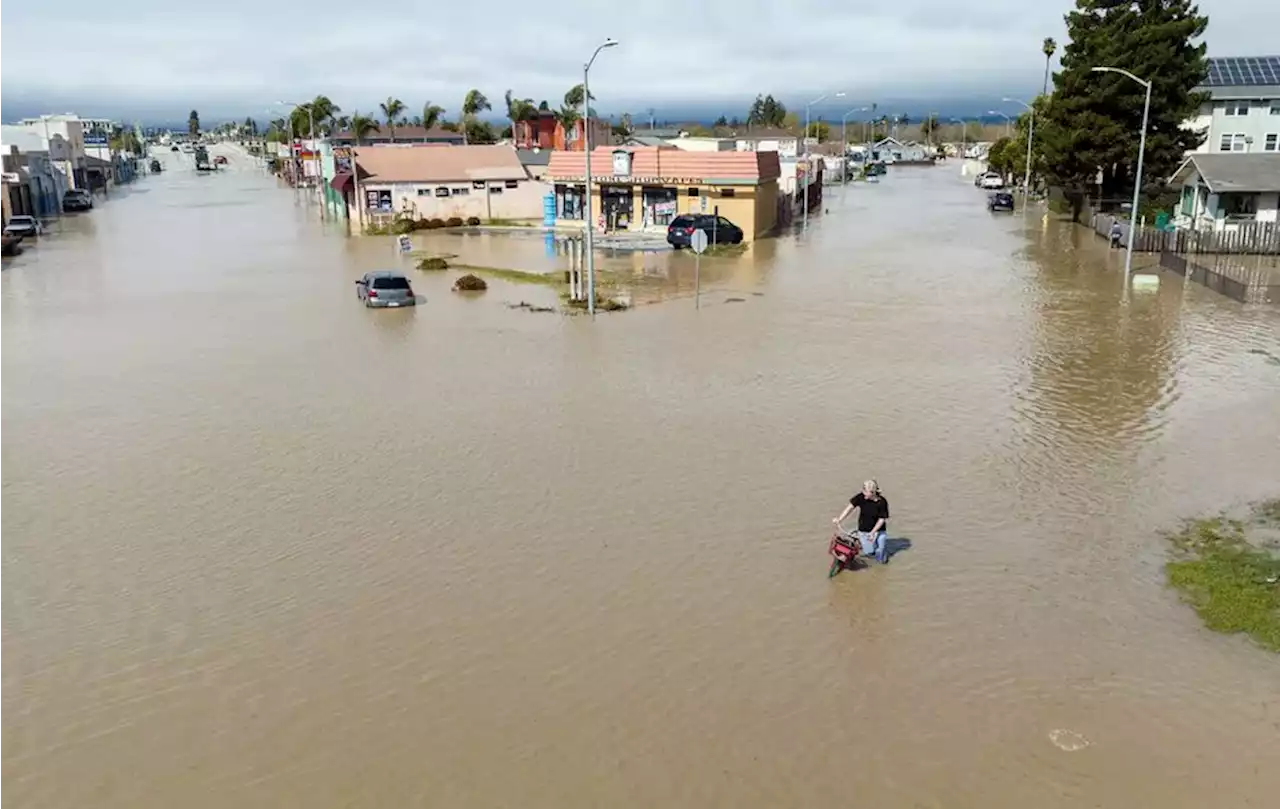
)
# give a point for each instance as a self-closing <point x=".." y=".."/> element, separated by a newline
<point x="433" y="263"/>
<point x="602" y="305"/>
<point x="512" y="223"/>
<point x="518" y="276"/>
<point x="725" y="249"/>
<point x="1229" y="575"/>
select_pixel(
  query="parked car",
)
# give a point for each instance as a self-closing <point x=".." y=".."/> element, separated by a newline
<point x="77" y="199"/>
<point x="384" y="288"/>
<point x="1000" y="201"/>
<point x="718" y="229"/>
<point x="174" y="149"/>
<point x="23" y="226"/>
<point x="991" y="180"/>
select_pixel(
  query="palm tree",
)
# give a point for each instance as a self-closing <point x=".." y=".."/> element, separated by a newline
<point x="1048" y="47"/>
<point x="431" y="115"/>
<point x="392" y="108"/>
<point x="325" y="112"/>
<point x="474" y="103"/>
<point x="341" y="123"/>
<point x="361" y="126"/>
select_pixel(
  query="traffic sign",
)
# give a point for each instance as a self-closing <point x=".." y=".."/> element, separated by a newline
<point x="698" y="241"/>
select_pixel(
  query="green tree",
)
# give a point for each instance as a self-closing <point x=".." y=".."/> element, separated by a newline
<point x="473" y="104"/>
<point x="573" y="98"/>
<point x="362" y="126"/>
<point x="1092" y="124"/>
<point x="1000" y="157"/>
<point x="325" y="113"/>
<point x="820" y="130"/>
<point x="431" y="115"/>
<point x="721" y="121"/>
<point x="193" y="124"/>
<point x="519" y="109"/>
<point x="392" y="109"/>
<point x="478" y="132"/>
<point x="1048" y="47"/>
<point x="928" y="127"/>
<point x="250" y="126"/>
<point x="767" y="111"/>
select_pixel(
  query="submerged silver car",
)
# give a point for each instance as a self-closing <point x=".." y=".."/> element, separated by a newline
<point x="385" y="288"/>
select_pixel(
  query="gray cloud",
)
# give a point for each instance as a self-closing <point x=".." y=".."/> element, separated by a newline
<point x="672" y="50"/>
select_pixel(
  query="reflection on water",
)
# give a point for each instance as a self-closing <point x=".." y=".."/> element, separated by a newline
<point x="266" y="547"/>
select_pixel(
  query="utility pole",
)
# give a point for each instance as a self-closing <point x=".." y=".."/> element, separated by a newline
<point x="808" y="164"/>
<point x="586" y="145"/>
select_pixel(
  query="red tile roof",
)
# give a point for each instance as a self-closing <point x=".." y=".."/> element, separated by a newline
<point x="650" y="161"/>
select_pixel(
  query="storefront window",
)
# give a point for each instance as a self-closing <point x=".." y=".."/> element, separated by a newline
<point x="618" y="206"/>
<point x="378" y="199"/>
<point x="570" y="201"/>
<point x="659" y="205"/>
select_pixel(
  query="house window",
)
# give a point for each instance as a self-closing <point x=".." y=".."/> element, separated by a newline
<point x="1236" y="108"/>
<point x="424" y="192"/>
<point x="513" y="183"/>
<point x="1275" y="109"/>
<point x="442" y="191"/>
<point x="1232" y="142"/>
<point x="495" y="189"/>
<point x="477" y="185"/>
<point x="727" y="192"/>
<point x="1272" y="142"/>
<point x="692" y="192"/>
<point x="461" y="192"/>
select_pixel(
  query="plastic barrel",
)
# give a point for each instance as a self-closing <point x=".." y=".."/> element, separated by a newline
<point x="549" y="210"/>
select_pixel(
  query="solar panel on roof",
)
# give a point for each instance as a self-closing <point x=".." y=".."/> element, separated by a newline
<point x="1244" y="71"/>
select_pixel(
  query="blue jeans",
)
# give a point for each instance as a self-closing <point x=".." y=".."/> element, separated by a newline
<point x="873" y="544"/>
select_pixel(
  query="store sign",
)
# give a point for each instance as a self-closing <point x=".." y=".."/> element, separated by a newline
<point x="342" y="152"/>
<point x="607" y="180"/>
<point x="621" y="163"/>
<point x="665" y="208"/>
<point x="11" y="177"/>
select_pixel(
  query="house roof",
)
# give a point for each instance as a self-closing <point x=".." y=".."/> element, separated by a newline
<point x="404" y="132"/>
<point x="648" y="161"/>
<point x="1240" y="173"/>
<point x="439" y="165"/>
<point x="889" y="140"/>
<point x="646" y="140"/>
<point x="534" y="157"/>
<point x="766" y="133"/>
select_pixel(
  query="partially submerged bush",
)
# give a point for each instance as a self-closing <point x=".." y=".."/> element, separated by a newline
<point x="435" y="223"/>
<point x="433" y="263"/>
<point x="403" y="226"/>
<point x="470" y="283"/>
<point x="453" y="222"/>
<point x="473" y="221"/>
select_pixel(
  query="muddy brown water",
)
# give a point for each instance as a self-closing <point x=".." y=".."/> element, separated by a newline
<point x="265" y="548"/>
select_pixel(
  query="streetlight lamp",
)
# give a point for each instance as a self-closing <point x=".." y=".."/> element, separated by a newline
<point x="1137" y="180"/>
<point x="1031" y="134"/>
<point x="808" y="167"/>
<point x="311" y="117"/>
<point x="1008" y="120"/>
<point x="586" y="146"/>
<point x="844" y="141"/>
<point x="964" y="140"/>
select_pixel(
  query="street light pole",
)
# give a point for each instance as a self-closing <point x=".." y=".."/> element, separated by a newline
<point x="315" y="156"/>
<point x="808" y="167"/>
<point x="844" y="142"/>
<point x="1008" y="121"/>
<point x="1031" y="135"/>
<point x="964" y="141"/>
<point x="1137" y="180"/>
<point x="586" y="145"/>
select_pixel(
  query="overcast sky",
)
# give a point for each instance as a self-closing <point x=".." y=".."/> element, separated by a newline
<point x="246" y="55"/>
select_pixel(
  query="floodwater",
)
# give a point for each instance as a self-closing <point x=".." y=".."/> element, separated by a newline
<point x="265" y="548"/>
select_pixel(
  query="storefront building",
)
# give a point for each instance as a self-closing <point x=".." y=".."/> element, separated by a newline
<point x="639" y="187"/>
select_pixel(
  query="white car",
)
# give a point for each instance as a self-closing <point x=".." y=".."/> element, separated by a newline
<point x="23" y="225"/>
<point x="991" y="181"/>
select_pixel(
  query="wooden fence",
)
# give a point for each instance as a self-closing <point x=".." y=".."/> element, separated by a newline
<point x="1251" y="238"/>
<point x="1255" y="279"/>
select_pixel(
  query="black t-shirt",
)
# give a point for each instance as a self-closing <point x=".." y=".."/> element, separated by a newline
<point x="869" y="511"/>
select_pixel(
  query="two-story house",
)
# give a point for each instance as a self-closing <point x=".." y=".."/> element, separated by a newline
<point x="1243" y="113"/>
<point x="71" y="129"/>
<point x="547" y="132"/>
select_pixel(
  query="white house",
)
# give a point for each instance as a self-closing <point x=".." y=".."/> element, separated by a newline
<point x="784" y="143"/>
<point x="1242" y="115"/>
<point x="697" y="144"/>
<point x="1222" y="190"/>
<point x="892" y="150"/>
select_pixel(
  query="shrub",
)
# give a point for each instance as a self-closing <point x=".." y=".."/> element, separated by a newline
<point x="470" y="283"/>
<point x="433" y="263"/>
<point x="435" y="224"/>
<point x="473" y="221"/>
<point x="403" y="226"/>
<point x="453" y="222"/>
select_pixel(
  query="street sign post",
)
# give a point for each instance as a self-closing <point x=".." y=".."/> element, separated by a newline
<point x="698" y="243"/>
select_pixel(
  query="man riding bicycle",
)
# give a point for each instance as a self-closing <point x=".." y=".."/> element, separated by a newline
<point x="873" y="516"/>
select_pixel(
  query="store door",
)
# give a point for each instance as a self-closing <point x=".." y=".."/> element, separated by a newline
<point x="618" y="207"/>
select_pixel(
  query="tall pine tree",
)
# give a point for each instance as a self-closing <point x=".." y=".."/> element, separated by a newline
<point x="1092" y="126"/>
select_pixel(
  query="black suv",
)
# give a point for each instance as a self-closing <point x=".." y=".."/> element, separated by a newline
<point x="718" y="229"/>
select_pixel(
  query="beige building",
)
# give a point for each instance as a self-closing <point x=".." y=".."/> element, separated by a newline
<point x="440" y="182"/>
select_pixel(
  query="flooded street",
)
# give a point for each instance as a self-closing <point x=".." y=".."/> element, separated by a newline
<point x="266" y="548"/>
